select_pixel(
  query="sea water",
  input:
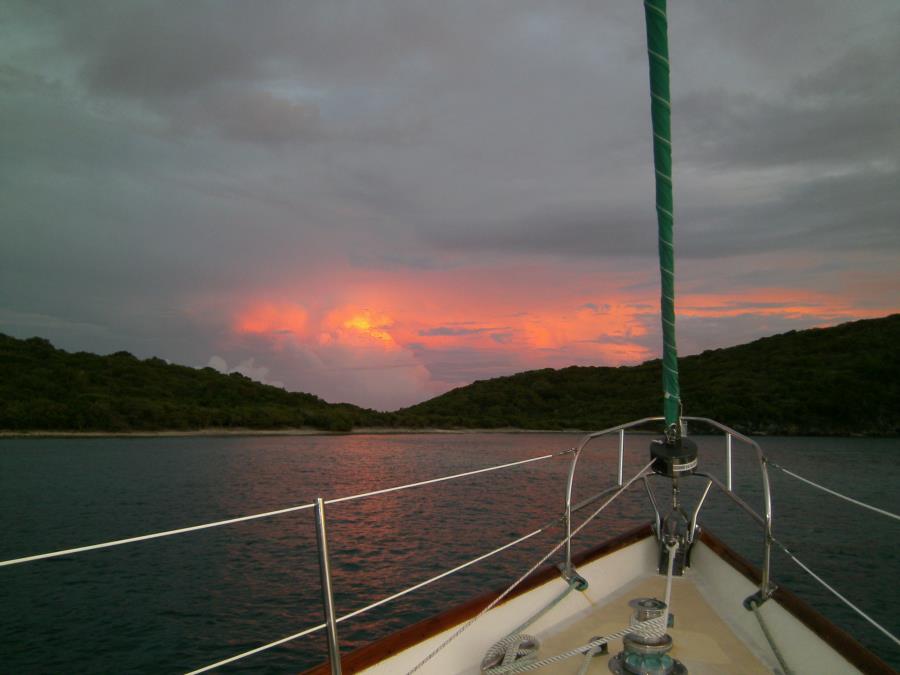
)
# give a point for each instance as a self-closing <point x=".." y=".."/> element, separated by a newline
<point x="178" y="603"/>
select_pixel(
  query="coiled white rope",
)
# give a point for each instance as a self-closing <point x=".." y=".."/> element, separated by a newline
<point x="519" y="649"/>
<point x="518" y="646"/>
<point x="651" y="628"/>
<point x="510" y="653"/>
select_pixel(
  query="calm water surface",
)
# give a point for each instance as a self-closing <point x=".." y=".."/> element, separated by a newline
<point x="175" y="604"/>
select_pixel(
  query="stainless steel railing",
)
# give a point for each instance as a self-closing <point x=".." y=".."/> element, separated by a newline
<point x="332" y="621"/>
<point x="765" y="520"/>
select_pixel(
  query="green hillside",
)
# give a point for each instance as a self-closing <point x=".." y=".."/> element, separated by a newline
<point x="52" y="390"/>
<point x="841" y="380"/>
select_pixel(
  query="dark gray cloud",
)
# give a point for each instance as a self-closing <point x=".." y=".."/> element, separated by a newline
<point x="605" y="231"/>
<point x="156" y="154"/>
<point x="839" y="114"/>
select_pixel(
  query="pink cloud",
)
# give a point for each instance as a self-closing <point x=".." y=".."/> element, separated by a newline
<point x="392" y="338"/>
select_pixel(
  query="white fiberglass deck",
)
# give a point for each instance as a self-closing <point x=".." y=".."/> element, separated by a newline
<point x="713" y="633"/>
<point x="703" y="642"/>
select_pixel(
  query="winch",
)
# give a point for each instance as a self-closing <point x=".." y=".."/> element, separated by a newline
<point x="647" y="653"/>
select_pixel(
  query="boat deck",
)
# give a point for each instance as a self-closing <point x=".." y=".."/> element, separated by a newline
<point x="713" y="633"/>
<point x="703" y="641"/>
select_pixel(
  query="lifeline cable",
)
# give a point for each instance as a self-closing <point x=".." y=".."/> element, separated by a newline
<point x="522" y="578"/>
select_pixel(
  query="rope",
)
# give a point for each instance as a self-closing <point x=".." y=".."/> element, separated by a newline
<point x="671" y="548"/>
<point x="836" y="494"/>
<point x="440" y="576"/>
<point x="856" y="609"/>
<point x="155" y="535"/>
<point x="511" y="645"/>
<point x="516" y="649"/>
<point x="553" y="603"/>
<point x="765" y="630"/>
<point x="588" y="657"/>
<point x="383" y="601"/>
<point x="649" y="628"/>
<point x="267" y="514"/>
<point x="440" y="480"/>
<point x="258" y="649"/>
<point x="518" y="646"/>
<point x="522" y="578"/>
<point x="586" y="663"/>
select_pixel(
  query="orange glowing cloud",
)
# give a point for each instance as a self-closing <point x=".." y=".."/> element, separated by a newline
<point x="360" y="327"/>
<point x="772" y="302"/>
<point x="367" y="325"/>
<point x="426" y="331"/>
<point x="267" y="318"/>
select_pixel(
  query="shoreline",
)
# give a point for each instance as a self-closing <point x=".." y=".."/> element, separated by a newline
<point x="216" y="432"/>
<point x="223" y="432"/>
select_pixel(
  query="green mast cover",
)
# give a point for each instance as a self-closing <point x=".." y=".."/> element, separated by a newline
<point x="660" y="110"/>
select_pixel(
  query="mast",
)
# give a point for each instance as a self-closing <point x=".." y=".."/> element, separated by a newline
<point x="660" y="110"/>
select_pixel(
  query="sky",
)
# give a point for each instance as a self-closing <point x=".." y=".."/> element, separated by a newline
<point x="377" y="201"/>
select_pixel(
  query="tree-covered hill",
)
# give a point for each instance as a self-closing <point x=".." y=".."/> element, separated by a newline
<point x="841" y="380"/>
<point x="49" y="389"/>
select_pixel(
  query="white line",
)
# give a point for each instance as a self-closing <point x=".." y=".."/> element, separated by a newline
<point x="661" y="100"/>
<point x="368" y="607"/>
<point x="838" y="494"/>
<point x="155" y="535"/>
<point x="230" y="521"/>
<point x="846" y="601"/>
<point x="439" y="576"/>
<point x="522" y="578"/>
<point x="436" y="480"/>
<point x="654" y="9"/>
<point x="658" y="55"/>
<point x="258" y="649"/>
<point x="668" y="213"/>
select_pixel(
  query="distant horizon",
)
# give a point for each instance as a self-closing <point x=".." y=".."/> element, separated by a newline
<point x="383" y="204"/>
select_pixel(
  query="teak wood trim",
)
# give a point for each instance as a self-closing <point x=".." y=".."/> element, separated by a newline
<point x="842" y="642"/>
<point x="362" y="658"/>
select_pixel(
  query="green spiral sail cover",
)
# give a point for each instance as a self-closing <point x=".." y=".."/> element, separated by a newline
<point x="661" y="111"/>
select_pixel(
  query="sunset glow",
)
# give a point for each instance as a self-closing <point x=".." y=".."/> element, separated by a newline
<point x="373" y="327"/>
<point x="377" y="206"/>
<point x="272" y="319"/>
<point x="421" y="334"/>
